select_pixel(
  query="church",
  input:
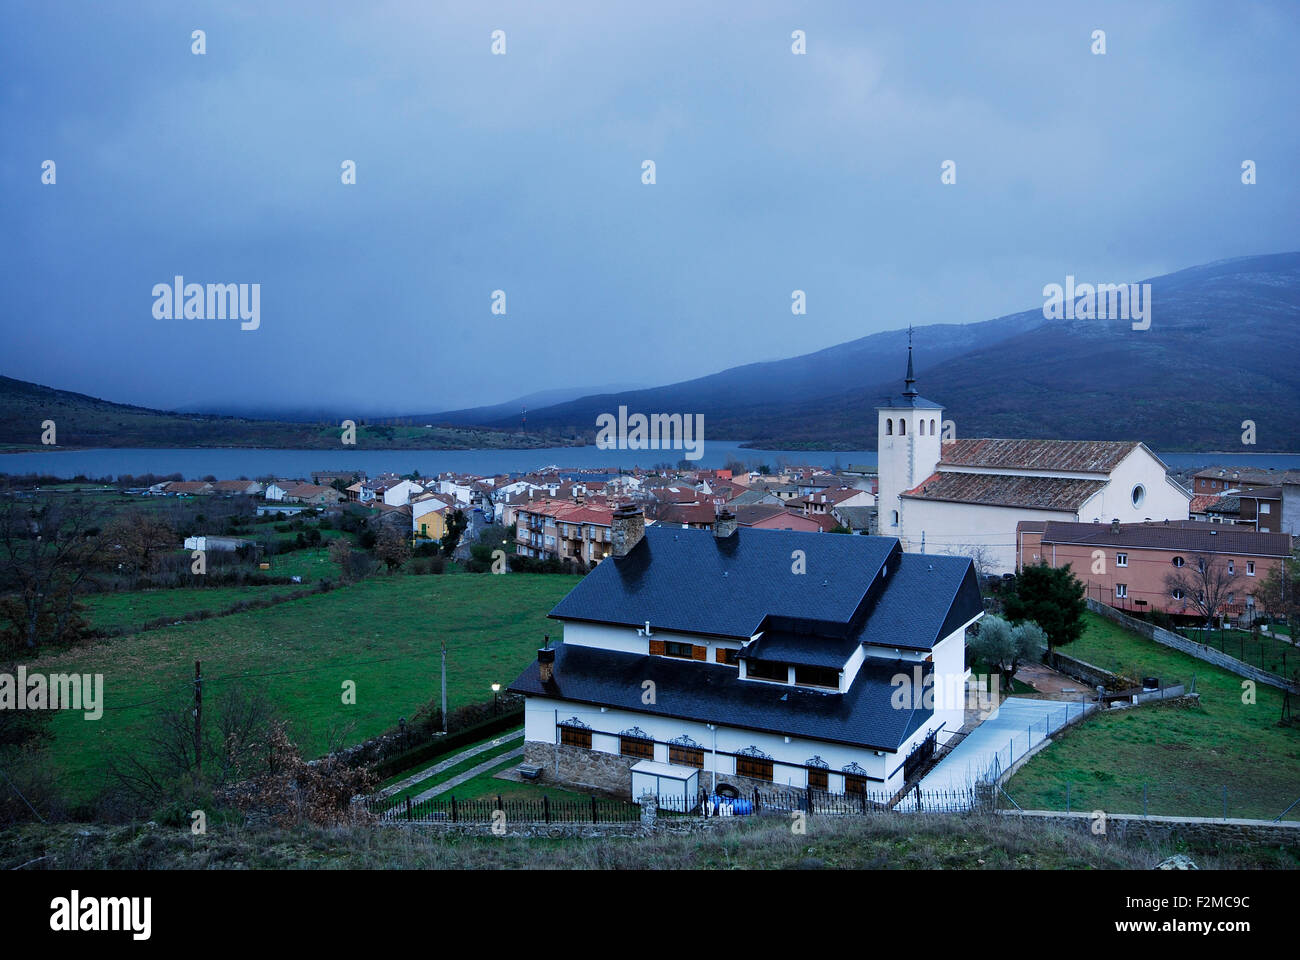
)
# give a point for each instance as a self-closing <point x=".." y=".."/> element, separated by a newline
<point x="965" y="497"/>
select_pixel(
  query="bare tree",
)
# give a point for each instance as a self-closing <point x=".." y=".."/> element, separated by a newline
<point x="1204" y="585"/>
<point x="981" y="555"/>
<point x="142" y="538"/>
<point x="232" y="737"/>
<point x="1279" y="593"/>
<point x="50" y="551"/>
<point x="393" y="547"/>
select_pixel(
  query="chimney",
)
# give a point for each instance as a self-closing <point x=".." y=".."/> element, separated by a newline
<point x="724" y="524"/>
<point x="546" y="662"/>
<point x="1114" y="525"/>
<point x="627" y="527"/>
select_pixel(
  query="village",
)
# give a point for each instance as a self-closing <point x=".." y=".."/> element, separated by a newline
<point x="908" y="636"/>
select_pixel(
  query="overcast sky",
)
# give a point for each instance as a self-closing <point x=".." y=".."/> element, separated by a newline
<point x="477" y="172"/>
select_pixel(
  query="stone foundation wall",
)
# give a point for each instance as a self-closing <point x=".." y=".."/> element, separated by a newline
<point x="592" y="770"/>
<point x="609" y="773"/>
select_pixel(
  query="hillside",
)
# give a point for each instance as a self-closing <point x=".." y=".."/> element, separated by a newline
<point x="83" y="421"/>
<point x="883" y="841"/>
<point x="1222" y="348"/>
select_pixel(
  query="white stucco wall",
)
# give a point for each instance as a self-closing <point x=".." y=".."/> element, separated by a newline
<point x="1162" y="500"/>
<point x="955" y="528"/>
<point x="541" y="715"/>
<point x="904" y="461"/>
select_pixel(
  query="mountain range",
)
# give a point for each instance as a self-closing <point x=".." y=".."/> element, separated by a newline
<point x="1221" y="349"/>
<point x="1220" y="356"/>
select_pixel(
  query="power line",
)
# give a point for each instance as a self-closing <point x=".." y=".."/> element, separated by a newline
<point x="188" y="684"/>
<point x="15" y="789"/>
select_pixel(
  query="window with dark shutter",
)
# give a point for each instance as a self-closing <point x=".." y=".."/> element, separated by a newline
<point x="686" y="756"/>
<point x="636" y="747"/>
<point x="818" y="779"/>
<point x="575" y="736"/>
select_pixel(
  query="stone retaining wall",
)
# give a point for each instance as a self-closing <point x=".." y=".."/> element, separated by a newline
<point x="1190" y="647"/>
<point x="1089" y="673"/>
<point x="1203" y="830"/>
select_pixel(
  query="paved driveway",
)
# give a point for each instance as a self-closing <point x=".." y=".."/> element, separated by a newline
<point x="1007" y="735"/>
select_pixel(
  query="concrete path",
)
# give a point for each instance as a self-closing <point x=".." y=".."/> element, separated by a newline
<point x="469" y="774"/>
<point x="447" y="764"/>
<point x="1010" y="732"/>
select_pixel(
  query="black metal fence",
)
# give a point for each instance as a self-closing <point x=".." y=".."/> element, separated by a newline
<point x="485" y="810"/>
<point x="543" y="809"/>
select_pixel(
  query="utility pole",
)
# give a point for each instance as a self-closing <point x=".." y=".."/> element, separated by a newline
<point x="444" y="686"/>
<point x="198" y="719"/>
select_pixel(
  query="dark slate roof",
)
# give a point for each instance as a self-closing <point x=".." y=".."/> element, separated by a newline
<point x="931" y="597"/>
<point x="674" y="579"/>
<point x="690" y="581"/>
<point x="858" y="517"/>
<point x="916" y="403"/>
<point x="1191" y="537"/>
<point x="1006" y="490"/>
<point x="713" y="693"/>
<point x="803" y="649"/>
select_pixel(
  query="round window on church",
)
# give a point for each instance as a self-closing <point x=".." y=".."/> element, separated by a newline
<point x="1139" y="494"/>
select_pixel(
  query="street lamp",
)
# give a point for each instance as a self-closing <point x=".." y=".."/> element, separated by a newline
<point x="496" y="688"/>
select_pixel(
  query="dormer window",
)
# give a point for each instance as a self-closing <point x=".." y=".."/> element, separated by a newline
<point x="817" y="677"/>
<point x="767" y="670"/>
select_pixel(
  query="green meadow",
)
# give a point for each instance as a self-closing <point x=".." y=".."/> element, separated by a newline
<point x="382" y="635"/>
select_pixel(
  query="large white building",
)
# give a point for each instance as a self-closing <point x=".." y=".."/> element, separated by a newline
<point x="752" y="658"/>
<point x="965" y="497"/>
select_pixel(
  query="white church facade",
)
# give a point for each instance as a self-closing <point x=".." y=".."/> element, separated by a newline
<point x="965" y="497"/>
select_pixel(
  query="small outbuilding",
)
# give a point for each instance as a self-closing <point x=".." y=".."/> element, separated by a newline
<point x="677" y="787"/>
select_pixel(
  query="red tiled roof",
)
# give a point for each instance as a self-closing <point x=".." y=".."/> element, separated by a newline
<point x="1090" y="456"/>
<point x="1006" y="490"/>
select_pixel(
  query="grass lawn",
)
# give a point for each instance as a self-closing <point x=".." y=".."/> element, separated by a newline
<point x="383" y="634"/>
<point x="1270" y="653"/>
<point x="310" y="563"/>
<point x="107" y="611"/>
<point x="1184" y="756"/>
<point x="459" y="768"/>
<point x="485" y="785"/>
